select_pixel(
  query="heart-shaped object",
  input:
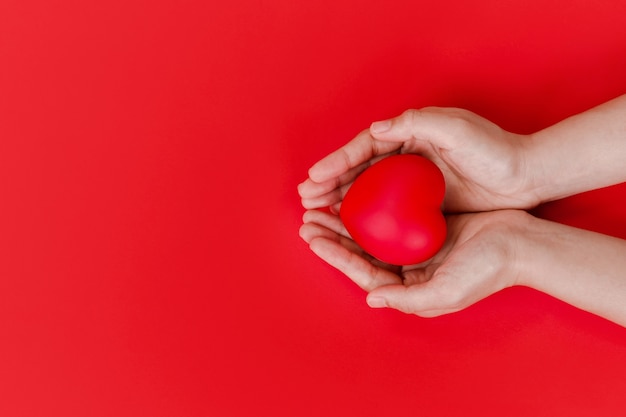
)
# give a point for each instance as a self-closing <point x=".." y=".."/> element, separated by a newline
<point x="393" y="209"/>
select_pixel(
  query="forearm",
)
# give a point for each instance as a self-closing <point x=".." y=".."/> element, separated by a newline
<point x="581" y="153"/>
<point x="583" y="268"/>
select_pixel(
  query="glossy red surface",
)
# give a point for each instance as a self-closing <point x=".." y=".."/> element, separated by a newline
<point x="150" y="263"/>
<point x="392" y="210"/>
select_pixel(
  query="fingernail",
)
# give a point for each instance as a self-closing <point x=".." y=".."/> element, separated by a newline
<point x="302" y="233"/>
<point x="376" y="302"/>
<point x="380" y="127"/>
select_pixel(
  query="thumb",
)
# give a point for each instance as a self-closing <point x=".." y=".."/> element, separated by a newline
<point x="421" y="299"/>
<point x="429" y="124"/>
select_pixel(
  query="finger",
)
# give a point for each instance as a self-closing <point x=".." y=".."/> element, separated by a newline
<point x="437" y="127"/>
<point x="312" y="189"/>
<point x="333" y="197"/>
<point x="329" y="221"/>
<point x="416" y="276"/>
<point x="310" y="231"/>
<point x="311" y="193"/>
<point x="422" y="299"/>
<point x="333" y="223"/>
<point x="356" y="152"/>
<point x="356" y="267"/>
<point x="320" y="224"/>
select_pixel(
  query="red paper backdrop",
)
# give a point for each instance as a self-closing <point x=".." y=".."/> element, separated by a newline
<point x="150" y="263"/>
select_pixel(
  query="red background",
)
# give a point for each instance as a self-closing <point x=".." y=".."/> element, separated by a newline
<point x="149" y="254"/>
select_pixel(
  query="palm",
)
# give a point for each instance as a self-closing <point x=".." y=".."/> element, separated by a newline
<point x="469" y="266"/>
<point x="345" y="251"/>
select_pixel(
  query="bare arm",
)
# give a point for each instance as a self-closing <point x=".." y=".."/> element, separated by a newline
<point x="582" y="268"/>
<point x="581" y="153"/>
<point x="486" y="169"/>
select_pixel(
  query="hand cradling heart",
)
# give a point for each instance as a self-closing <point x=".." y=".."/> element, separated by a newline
<point x="392" y="210"/>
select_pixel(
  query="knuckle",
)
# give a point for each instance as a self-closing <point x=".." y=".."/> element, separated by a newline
<point x="411" y="116"/>
<point x="461" y="123"/>
<point x="347" y="158"/>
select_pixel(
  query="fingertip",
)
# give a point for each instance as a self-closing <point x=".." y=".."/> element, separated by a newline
<point x="302" y="232"/>
<point x="307" y="189"/>
<point x="375" y="301"/>
<point x="403" y="127"/>
<point x="306" y="216"/>
<point x="301" y="187"/>
<point x="312" y="172"/>
<point x="317" y="173"/>
<point x="380" y="127"/>
<point x="395" y="296"/>
<point x="310" y="232"/>
<point x="307" y="203"/>
<point x="317" y="245"/>
<point x="388" y="130"/>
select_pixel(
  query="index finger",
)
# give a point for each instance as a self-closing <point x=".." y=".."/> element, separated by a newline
<point x="362" y="272"/>
<point x="354" y="153"/>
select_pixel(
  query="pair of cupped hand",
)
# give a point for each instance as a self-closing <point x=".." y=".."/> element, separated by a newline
<point x="489" y="183"/>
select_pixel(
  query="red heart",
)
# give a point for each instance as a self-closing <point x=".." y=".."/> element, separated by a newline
<point x="392" y="210"/>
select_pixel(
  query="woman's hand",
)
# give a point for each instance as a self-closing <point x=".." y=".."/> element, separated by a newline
<point x="478" y="259"/>
<point x="485" y="167"/>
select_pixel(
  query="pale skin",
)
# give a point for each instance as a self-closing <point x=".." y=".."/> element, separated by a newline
<point x="492" y="176"/>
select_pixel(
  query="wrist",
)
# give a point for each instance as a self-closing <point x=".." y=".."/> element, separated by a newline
<point x="536" y="243"/>
<point x="517" y="226"/>
<point x="535" y="188"/>
<point x="507" y="235"/>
